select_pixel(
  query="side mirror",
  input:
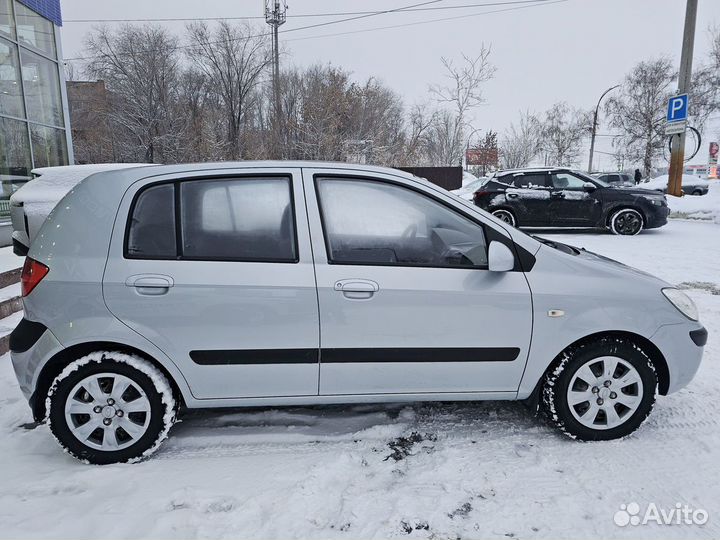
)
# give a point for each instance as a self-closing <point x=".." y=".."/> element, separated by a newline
<point x="500" y="258"/>
<point x="589" y="186"/>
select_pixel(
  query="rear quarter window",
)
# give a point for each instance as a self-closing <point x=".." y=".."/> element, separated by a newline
<point x="151" y="232"/>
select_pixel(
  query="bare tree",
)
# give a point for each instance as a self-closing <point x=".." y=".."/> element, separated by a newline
<point x="563" y="131"/>
<point x="463" y="93"/>
<point x="638" y="110"/>
<point x="705" y="85"/>
<point x="234" y="57"/>
<point x="520" y="144"/>
<point x="140" y="66"/>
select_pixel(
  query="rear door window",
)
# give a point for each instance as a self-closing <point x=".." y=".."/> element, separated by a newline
<point x="248" y="219"/>
<point x="234" y="219"/>
<point x="530" y="181"/>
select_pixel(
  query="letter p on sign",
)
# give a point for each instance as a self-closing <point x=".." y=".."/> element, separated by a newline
<point x="677" y="108"/>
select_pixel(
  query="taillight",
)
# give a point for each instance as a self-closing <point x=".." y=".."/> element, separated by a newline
<point x="479" y="193"/>
<point x="32" y="274"/>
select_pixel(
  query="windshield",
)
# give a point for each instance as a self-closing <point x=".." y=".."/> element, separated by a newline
<point x="592" y="179"/>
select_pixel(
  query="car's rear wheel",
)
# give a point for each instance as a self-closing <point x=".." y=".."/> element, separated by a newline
<point x="626" y="222"/>
<point x="110" y="408"/>
<point x="601" y="390"/>
<point x="697" y="192"/>
<point x="506" y="216"/>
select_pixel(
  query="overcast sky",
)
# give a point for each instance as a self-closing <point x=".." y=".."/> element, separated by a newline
<point x="566" y="51"/>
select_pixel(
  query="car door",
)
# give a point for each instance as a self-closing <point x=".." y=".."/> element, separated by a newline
<point x="216" y="270"/>
<point x="571" y="204"/>
<point x="530" y="198"/>
<point x="407" y="303"/>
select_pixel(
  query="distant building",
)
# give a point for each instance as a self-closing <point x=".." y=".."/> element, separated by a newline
<point x="34" y="122"/>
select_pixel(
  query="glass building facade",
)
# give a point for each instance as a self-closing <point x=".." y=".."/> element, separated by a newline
<point x="34" y="126"/>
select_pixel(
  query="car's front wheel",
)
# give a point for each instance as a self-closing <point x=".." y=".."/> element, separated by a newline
<point x="505" y="215"/>
<point x="110" y="407"/>
<point x="601" y="390"/>
<point x="626" y="222"/>
<point x="697" y="192"/>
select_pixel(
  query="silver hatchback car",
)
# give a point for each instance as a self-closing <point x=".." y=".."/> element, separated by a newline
<point x="292" y="283"/>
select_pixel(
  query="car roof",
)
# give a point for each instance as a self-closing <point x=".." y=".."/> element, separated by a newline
<point x="504" y="172"/>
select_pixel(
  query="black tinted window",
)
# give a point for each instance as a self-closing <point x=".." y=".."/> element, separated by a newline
<point x="152" y="225"/>
<point x="247" y="219"/>
<point x="531" y="180"/>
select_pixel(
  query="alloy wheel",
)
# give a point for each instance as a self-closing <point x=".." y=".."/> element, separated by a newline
<point x="604" y="392"/>
<point x="627" y="222"/>
<point x="107" y="411"/>
<point x="505" y="216"/>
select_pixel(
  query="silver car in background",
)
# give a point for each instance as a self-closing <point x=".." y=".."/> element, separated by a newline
<point x="31" y="203"/>
<point x="298" y="283"/>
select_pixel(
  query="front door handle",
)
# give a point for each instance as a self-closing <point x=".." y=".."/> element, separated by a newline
<point x="557" y="195"/>
<point x="357" y="289"/>
<point x="150" y="284"/>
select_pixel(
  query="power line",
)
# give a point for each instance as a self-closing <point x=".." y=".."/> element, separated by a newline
<point x="327" y="23"/>
<point x="528" y="4"/>
<point x="539" y="3"/>
<point x="302" y="15"/>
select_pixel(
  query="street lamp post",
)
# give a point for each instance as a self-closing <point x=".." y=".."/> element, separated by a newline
<point x="594" y="126"/>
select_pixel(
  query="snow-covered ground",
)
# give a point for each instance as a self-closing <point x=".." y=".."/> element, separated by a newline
<point x="698" y="207"/>
<point x="450" y="470"/>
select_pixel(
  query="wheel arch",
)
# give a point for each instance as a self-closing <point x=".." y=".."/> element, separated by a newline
<point x="60" y="360"/>
<point x="625" y="206"/>
<point x="648" y="347"/>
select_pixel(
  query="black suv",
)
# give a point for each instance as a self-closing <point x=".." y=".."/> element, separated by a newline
<point x="561" y="197"/>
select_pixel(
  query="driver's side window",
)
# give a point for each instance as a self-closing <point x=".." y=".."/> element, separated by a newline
<point x="373" y="222"/>
<point x="567" y="181"/>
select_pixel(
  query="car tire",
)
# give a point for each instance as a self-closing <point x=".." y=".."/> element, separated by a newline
<point x="601" y="390"/>
<point x="697" y="192"/>
<point x="626" y="222"/>
<point x="505" y="216"/>
<point x="110" y="407"/>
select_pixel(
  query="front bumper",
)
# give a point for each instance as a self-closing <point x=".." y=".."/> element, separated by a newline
<point x="682" y="346"/>
<point x="657" y="217"/>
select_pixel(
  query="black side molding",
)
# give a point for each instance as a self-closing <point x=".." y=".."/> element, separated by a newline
<point x="25" y="335"/>
<point x="699" y="336"/>
<point x="425" y="354"/>
<point x="360" y="355"/>
<point x="255" y="356"/>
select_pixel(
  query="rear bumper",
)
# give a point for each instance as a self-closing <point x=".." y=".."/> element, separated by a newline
<point x="30" y="345"/>
<point x="20" y="243"/>
<point x="682" y="346"/>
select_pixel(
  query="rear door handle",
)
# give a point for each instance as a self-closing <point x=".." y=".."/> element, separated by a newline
<point x="150" y="284"/>
<point x="357" y="288"/>
<point x="512" y="195"/>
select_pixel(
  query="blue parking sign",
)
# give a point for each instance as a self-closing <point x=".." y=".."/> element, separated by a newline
<point x="677" y="110"/>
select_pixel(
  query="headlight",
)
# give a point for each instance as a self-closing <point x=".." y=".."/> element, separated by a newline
<point x="682" y="302"/>
<point x="657" y="200"/>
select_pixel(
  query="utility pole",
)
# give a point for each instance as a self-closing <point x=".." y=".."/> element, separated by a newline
<point x="275" y="16"/>
<point x="594" y="127"/>
<point x="677" y="152"/>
